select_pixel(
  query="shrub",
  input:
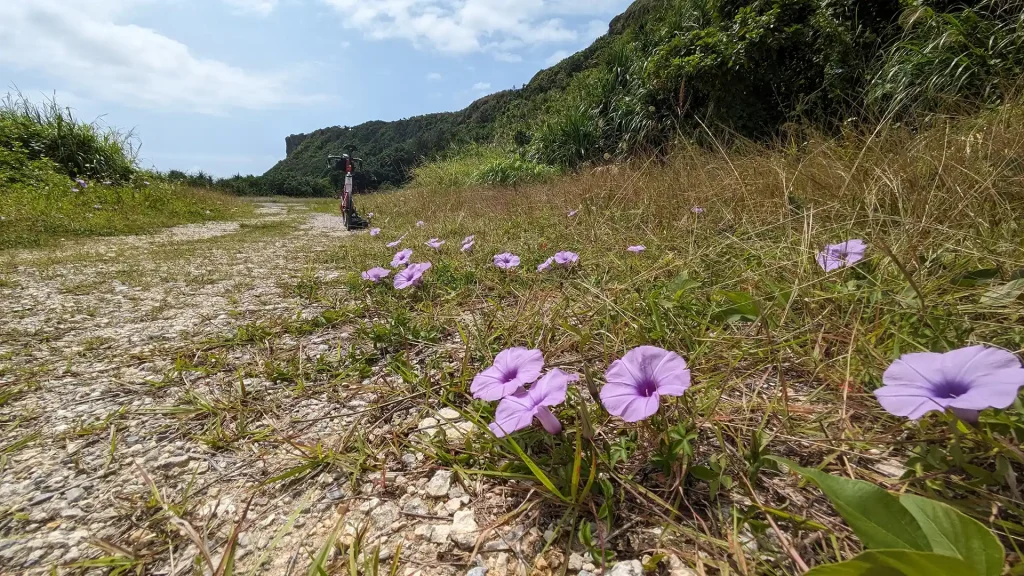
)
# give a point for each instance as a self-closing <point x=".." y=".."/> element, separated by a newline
<point x="513" y="171"/>
<point x="80" y="150"/>
<point x="947" y="58"/>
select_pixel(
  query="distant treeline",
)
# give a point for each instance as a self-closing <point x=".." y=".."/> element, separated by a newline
<point x="671" y="70"/>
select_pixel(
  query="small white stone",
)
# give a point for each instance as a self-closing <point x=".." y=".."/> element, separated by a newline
<point x="627" y="568"/>
<point x="416" y="506"/>
<point x="74" y="495"/>
<point x="439" y="483"/>
<point x="449" y="414"/>
<point x="575" y="562"/>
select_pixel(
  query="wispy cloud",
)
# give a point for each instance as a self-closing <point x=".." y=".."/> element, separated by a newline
<point x="466" y="26"/>
<point x="482" y="86"/>
<point x="508" y="57"/>
<point x="92" y="54"/>
<point x="434" y="77"/>
<point x="255" y="7"/>
<point x="557" y="57"/>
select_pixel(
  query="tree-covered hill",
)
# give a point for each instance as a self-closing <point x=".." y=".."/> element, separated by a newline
<point x="682" y="69"/>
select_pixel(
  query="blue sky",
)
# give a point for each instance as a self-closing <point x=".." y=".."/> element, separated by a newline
<point x="217" y="84"/>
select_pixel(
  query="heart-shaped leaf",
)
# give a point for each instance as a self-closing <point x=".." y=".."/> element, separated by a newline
<point x="876" y="516"/>
<point x="1003" y="294"/>
<point x="953" y="533"/>
<point x="896" y="563"/>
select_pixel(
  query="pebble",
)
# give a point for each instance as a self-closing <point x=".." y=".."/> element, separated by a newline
<point x="478" y="571"/>
<point x="575" y="562"/>
<point x="416" y="506"/>
<point x="464" y="529"/>
<point x="71" y="513"/>
<point x="449" y="414"/>
<point x="172" y="462"/>
<point x="439" y="483"/>
<point x="627" y="568"/>
<point x="74" y="495"/>
<point x="385" y="515"/>
<point x="676" y="567"/>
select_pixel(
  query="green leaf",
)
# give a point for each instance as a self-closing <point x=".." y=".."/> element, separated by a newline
<point x="896" y="563"/>
<point x="743" y="309"/>
<point x="953" y="533"/>
<point x="537" y="472"/>
<point x="876" y="516"/>
<point x="1004" y="294"/>
<point x="977" y="277"/>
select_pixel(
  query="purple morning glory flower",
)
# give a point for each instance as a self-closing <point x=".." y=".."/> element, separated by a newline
<point x="637" y="382"/>
<point x="573" y="213"/>
<point x="402" y="258"/>
<point x="421" y="224"/>
<point x="636" y="249"/>
<point x="965" y="381"/>
<point x="566" y="258"/>
<point x="376" y="274"/>
<point x="546" y="264"/>
<point x="374" y="231"/>
<point x="435" y="243"/>
<point x="697" y="210"/>
<point x="81" y="183"/>
<point x="836" y="256"/>
<point x="517" y="411"/>
<point x="506" y="261"/>
<point x="411" y="276"/>
<point x="468" y="246"/>
<point x="396" y="242"/>
<point x="512" y="369"/>
<point x="469" y="239"/>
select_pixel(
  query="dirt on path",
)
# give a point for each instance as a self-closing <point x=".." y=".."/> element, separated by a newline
<point x="139" y="428"/>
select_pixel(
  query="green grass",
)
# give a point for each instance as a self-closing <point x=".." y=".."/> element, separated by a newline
<point x="46" y="210"/>
<point x="784" y="356"/>
<point x="44" y="149"/>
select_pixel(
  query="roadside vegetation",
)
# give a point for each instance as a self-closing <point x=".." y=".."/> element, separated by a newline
<point x="784" y="356"/>
<point x="62" y="178"/>
<point x="668" y="71"/>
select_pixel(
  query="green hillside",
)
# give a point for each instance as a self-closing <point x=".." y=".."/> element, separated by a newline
<point x="671" y="70"/>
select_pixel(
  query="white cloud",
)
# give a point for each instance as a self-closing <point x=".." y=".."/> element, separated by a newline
<point x="434" y="77"/>
<point x="595" y="29"/>
<point x="93" y="53"/>
<point x="557" y="57"/>
<point x="465" y="26"/>
<point x="256" y="7"/>
<point x="507" y="57"/>
<point x="482" y="86"/>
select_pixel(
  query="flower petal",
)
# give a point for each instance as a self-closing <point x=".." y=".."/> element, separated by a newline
<point x="491" y="385"/>
<point x="548" y="420"/>
<point x="909" y="401"/>
<point x="998" y="390"/>
<point x="973" y="364"/>
<point x="514" y="412"/>
<point x="672" y="375"/>
<point x="526" y="364"/>
<point x="921" y="369"/>
<point x="622" y="400"/>
<point x="550" y="390"/>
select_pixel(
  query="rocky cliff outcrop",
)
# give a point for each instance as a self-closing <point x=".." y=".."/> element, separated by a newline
<point x="291" y="143"/>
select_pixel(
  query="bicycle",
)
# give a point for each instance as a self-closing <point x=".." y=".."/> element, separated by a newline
<point x="347" y="164"/>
